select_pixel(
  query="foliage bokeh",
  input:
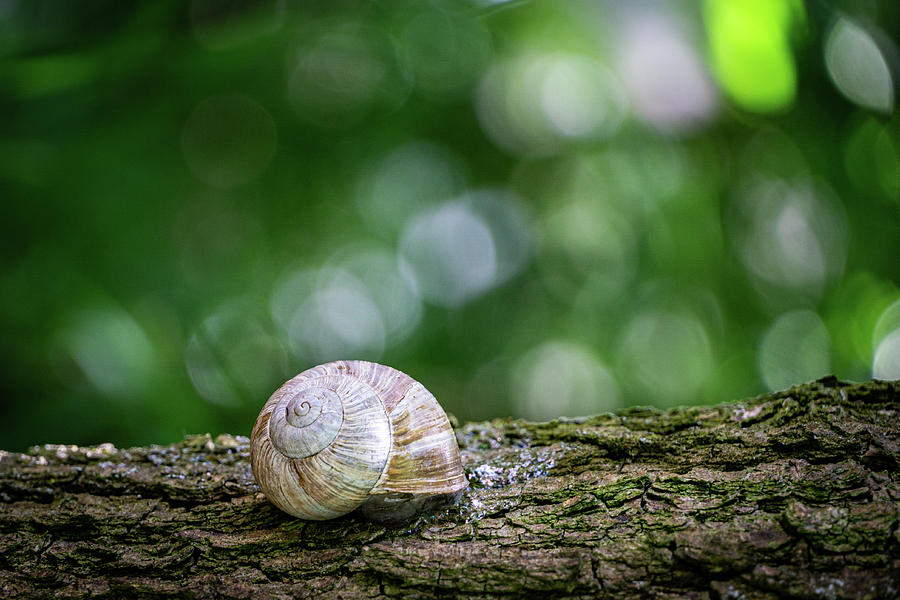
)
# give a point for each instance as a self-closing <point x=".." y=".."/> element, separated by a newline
<point x="537" y="209"/>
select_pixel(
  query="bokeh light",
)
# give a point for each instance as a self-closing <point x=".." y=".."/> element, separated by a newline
<point x="751" y="52"/>
<point x="111" y="350"/>
<point x="857" y="66"/>
<point x="451" y="254"/>
<point x="795" y="347"/>
<point x="665" y="74"/>
<point x="410" y="178"/>
<point x="886" y="338"/>
<point x="887" y="357"/>
<point x="562" y="379"/>
<point x="228" y="140"/>
<point x="665" y="356"/>
<point x="231" y="357"/>
<point x="790" y="236"/>
<point x="338" y="318"/>
<point x="873" y="160"/>
<point x="446" y="52"/>
<point x="537" y="209"/>
<point x="582" y="239"/>
<point x="532" y="104"/>
<point x="340" y="76"/>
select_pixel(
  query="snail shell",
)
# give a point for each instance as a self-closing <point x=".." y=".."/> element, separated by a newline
<point x="350" y="434"/>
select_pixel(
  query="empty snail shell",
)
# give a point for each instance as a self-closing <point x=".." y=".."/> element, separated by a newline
<point x="351" y="434"/>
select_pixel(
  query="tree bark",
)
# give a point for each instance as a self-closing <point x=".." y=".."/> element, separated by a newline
<point x="793" y="494"/>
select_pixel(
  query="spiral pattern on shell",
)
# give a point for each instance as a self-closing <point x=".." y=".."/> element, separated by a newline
<point x="352" y="432"/>
<point x="305" y="422"/>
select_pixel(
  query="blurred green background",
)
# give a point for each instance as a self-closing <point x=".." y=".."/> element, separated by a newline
<point x="535" y="208"/>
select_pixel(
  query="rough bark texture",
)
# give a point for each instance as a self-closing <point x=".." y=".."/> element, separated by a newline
<point x="793" y="494"/>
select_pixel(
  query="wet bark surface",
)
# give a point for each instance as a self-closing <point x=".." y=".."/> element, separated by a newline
<point x="793" y="494"/>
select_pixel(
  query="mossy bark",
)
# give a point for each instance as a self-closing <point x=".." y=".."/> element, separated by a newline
<point x="793" y="494"/>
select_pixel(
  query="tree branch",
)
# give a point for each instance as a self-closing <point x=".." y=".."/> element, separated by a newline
<point x="792" y="494"/>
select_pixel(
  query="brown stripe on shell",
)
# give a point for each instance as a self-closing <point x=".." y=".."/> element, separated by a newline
<point x="424" y="455"/>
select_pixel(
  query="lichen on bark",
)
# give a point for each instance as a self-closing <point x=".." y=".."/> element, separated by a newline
<point x="792" y="494"/>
